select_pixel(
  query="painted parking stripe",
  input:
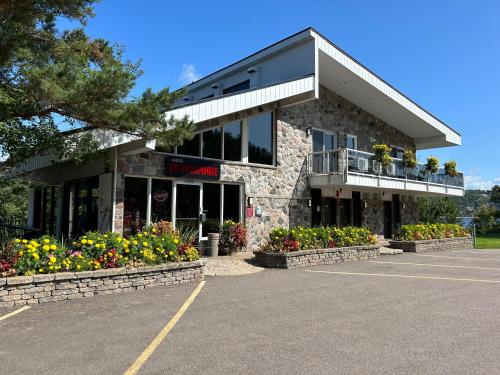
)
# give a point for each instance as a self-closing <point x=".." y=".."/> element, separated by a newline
<point x="437" y="265"/>
<point x="136" y="366"/>
<point x="15" y="312"/>
<point x="408" y="276"/>
<point x="452" y="257"/>
<point x="484" y="251"/>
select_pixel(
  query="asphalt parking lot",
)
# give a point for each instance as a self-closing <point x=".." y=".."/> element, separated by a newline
<point x="435" y="313"/>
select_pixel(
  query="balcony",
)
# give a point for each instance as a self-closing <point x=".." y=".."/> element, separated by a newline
<point x="359" y="169"/>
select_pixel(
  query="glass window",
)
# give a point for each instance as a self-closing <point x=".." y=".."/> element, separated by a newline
<point x="245" y="85"/>
<point x="212" y="142"/>
<point x="397" y="152"/>
<point x="161" y="200"/>
<point x="211" y="207"/>
<point x="260" y="139"/>
<point x="85" y="209"/>
<point x="232" y="202"/>
<point x="232" y="141"/>
<point x="190" y="147"/>
<point x="135" y="203"/>
<point x="352" y="142"/>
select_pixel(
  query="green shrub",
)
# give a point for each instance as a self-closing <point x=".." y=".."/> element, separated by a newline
<point x="420" y="232"/>
<point x="304" y="238"/>
<point x="233" y="237"/>
<point x="432" y="165"/>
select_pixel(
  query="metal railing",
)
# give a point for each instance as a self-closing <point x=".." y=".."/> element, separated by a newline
<point x="344" y="161"/>
<point x="9" y="231"/>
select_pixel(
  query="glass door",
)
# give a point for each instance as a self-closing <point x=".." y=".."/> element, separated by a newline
<point x="324" y="161"/>
<point x="187" y="203"/>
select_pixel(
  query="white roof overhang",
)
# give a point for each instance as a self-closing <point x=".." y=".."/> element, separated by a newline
<point x="226" y="104"/>
<point x="348" y="78"/>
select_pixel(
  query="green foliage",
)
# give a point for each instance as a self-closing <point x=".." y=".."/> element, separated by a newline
<point x="13" y="201"/>
<point x="472" y="201"/>
<point x="304" y="238"/>
<point x="93" y="251"/>
<point x="85" y="82"/>
<point x="420" y="232"/>
<point x="487" y="219"/>
<point x="233" y="237"/>
<point x="487" y="240"/>
<point x="409" y="158"/>
<point x="495" y="194"/>
<point x="432" y="165"/>
<point x="382" y="154"/>
<point x="438" y="210"/>
<point x="450" y="168"/>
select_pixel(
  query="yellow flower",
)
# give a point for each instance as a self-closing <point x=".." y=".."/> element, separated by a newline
<point x="52" y="259"/>
<point x="153" y="230"/>
<point x="46" y="240"/>
<point x="51" y="268"/>
<point x="145" y="244"/>
<point x="46" y="247"/>
<point x="135" y="242"/>
<point x="53" y="247"/>
<point x="126" y="250"/>
<point x="21" y="253"/>
<point x="18" y="240"/>
<point x="40" y="270"/>
<point x="145" y="233"/>
<point x="78" y="266"/>
<point x="35" y="256"/>
<point x="84" y="241"/>
<point x="24" y="241"/>
<point x="97" y="245"/>
<point x="176" y="241"/>
<point x="139" y="235"/>
<point x="90" y="242"/>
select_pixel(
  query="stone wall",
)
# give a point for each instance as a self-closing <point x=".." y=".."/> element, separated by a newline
<point x="31" y="290"/>
<point x="434" y="245"/>
<point x="316" y="257"/>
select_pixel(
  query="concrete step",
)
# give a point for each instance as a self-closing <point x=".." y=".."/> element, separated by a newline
<point x="390" y="251"/>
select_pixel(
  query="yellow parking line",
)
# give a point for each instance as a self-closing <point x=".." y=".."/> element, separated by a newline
<point x="409" y="276"/>
<point x="447" y="256"/>
<point x="437" y="265"/>
<point x="15" y="312"/>
<point x="163" y="333"/>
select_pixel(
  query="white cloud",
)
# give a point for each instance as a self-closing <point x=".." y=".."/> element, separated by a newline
<point x="188" y="74"/>
<point x="474" y="181"/>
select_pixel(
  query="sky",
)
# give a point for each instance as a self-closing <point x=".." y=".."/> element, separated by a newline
<point x="442" y="54"/>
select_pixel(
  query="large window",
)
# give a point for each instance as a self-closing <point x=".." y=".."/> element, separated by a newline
<point x="161" y="200"/>
<point x="135" y="205"/>
<point x="190" y="147"/>
<point x="245" y="85"/>
<point x="232" y="141"/>
<point x="232" y="202"/>
<point x="351" y="142"/>
<point x="212" y="140"/>
<point x="260" y="139"/>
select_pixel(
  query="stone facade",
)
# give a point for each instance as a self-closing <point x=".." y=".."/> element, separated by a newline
<point x="433" y="245"/>
<point x="282" y="191"/>
<point x="31" y="290"/>
<point x="316" y="257"/>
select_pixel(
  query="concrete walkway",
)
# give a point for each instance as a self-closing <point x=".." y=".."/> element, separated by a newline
<point x="232" y="265"/>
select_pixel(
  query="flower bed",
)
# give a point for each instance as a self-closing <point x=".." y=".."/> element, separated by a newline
<point x="302" y="247"/>
<point x="41" y="288"/>
<point x="431" y="237"/>
<point x="95" y="251"/>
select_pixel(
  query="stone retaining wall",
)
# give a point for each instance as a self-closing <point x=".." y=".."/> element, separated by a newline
<point x="433" y="245"/>
<point x="30" y="290"/>
<point x="316" y="257"/>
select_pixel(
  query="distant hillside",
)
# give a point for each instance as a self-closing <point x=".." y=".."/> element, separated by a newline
<point x="471" y="201"/>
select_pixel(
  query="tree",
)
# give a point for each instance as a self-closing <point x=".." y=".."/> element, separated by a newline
<point x="437" y="210"/>
<point x="46" y="74"/>
<point x="495" y="194"/>
<point x="13" y="201"/>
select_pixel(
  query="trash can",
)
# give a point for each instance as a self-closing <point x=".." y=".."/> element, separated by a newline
<point x="213" y="245"/>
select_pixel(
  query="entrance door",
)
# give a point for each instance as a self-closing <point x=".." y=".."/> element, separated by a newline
<point x="387" y="219"/>
<point x="187" y="203"/>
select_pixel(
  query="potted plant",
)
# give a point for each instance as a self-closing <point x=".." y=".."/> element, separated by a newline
<point x="432" y="165"/>
<point x="450" y="168"/>
<point x="409" y="158"/>
<point x="382" y="157"/>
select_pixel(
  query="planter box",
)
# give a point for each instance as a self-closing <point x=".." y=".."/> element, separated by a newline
<point x="30" y="290"/>
<point x="316" y="257"/>
<point x="433" y="245"/>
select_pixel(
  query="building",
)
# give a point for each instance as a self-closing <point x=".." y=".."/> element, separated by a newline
<point x="285" y="138"/>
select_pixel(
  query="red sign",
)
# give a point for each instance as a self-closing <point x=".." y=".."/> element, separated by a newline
<point x="180" y="166"/>
<point x="160" y="195"/>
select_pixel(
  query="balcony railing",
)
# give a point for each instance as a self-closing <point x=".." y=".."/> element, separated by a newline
<point x="344" y="161"/>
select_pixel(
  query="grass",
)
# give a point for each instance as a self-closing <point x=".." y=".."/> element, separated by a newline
<point x="488" y="241"/>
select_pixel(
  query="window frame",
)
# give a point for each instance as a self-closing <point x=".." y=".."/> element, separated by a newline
<point x="355" y="138"/>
